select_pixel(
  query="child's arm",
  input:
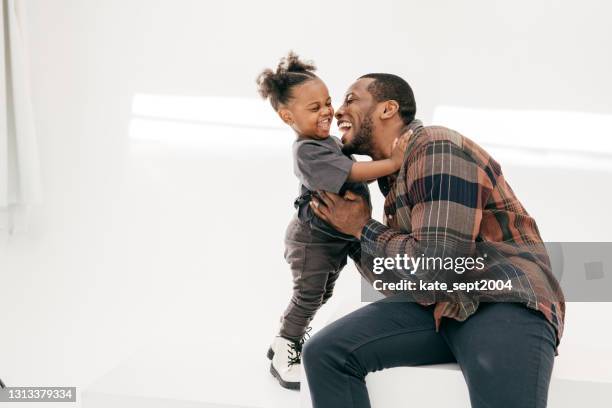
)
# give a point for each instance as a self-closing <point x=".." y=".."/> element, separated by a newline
<point x="366" y="171"/>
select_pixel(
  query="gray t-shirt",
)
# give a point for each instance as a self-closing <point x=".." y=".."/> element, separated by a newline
<point x="321" y="165"/>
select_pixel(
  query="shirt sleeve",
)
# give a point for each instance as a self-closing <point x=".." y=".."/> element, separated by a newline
<point x="321" y="168"/>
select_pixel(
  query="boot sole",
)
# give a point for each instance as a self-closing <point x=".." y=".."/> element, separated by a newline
<point x="283" y="383"/>
<point x="270" y="353"/>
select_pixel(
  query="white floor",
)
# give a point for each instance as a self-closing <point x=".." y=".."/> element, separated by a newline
<point x="162" y="281"/>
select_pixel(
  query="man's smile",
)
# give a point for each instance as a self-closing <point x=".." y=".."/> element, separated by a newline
<point x="344" y="126"/>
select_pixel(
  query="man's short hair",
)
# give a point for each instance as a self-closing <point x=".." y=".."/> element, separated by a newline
<point x="388" y="86"/>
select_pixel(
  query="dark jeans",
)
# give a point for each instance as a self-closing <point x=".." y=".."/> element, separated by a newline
<point x="505" y="352"/>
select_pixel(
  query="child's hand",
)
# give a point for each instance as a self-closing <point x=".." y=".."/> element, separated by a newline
<point x="399" y="147"/>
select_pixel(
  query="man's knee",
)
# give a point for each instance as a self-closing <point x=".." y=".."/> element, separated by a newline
<point x="317" y="351"/>
<point x="323" y="353"/>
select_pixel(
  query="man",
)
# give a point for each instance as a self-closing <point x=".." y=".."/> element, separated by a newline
<point x="448" y="193"/>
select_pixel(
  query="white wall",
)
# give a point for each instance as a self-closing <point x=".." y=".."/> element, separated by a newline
<point x="134" y="233"/>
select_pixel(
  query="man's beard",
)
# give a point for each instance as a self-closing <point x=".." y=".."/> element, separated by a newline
<point x="362" y="142"/>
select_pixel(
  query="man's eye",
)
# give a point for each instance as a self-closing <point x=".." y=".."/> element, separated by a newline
<point x="349" y="101"/>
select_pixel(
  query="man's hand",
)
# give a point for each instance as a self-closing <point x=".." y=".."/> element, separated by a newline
<point x="348" y="214"/>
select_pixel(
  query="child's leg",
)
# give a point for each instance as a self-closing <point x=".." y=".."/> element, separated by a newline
<point x="333" y="277"/>
<point x="315" y="258"/>
<point x="329" y="286"/>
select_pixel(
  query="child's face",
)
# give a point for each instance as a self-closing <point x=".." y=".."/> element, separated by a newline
<point x="310" y="112"/>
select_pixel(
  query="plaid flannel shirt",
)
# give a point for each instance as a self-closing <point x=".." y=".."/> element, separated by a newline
<point x="450" y="191"/>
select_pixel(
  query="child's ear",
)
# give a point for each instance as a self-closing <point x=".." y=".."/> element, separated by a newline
<point x="286" y="116"/>
<point x="390" y="108"/>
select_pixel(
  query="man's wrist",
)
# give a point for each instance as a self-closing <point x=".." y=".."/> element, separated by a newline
<point x="358" y="233"/>
<point x="370" y="234"/>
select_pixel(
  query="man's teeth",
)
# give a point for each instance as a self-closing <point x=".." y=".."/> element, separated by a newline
<point x="344" y="125"/>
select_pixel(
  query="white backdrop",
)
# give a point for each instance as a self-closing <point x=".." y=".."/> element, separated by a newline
<point x="168" y="184"/>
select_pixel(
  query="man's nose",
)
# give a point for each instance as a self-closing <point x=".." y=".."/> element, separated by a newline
<point x="339" y="112"/>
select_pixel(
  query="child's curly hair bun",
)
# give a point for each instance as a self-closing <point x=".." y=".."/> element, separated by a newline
<point x="290" y="72"/>
<point x="292" y="63"/>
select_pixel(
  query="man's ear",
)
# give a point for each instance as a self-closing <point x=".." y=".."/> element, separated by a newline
<point x="286" y="116"/>
<point x="390" y="108"/>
